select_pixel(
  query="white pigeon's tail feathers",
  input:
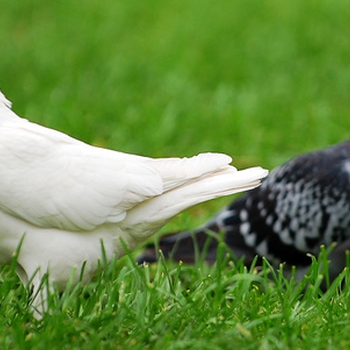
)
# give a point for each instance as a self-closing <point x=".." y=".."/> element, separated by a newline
<point x="229" y="181"/>
<point x="178" y="171"/>
<point x="156" y="211"/>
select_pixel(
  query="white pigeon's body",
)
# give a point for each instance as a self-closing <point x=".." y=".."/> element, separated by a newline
<point x="63" y="197"/>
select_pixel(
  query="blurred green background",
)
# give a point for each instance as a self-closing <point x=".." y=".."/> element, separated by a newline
<point x="260" y="80"/>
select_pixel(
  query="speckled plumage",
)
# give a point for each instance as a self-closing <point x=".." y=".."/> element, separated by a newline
<point x="301" y="205"/>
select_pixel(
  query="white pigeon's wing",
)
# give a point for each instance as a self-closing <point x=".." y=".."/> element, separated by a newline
<point x="6" y="114"/>
<point x="4" y="102"/>
<point x="52" y="180"/>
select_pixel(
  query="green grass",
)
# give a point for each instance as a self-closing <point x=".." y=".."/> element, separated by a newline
<point x="260" y="80"/>
<point x="179" y="307"/>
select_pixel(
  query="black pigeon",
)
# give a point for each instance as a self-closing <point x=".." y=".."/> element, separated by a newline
<point x="300" y="206"/>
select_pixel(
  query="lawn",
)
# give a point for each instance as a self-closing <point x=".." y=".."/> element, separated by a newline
<point x="260" y="80"/>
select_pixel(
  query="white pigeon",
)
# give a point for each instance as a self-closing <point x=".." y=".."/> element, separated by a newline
<point x="60" y="198"/>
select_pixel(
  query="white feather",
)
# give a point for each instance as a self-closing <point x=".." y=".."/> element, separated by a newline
<point x="66" y="196"/>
